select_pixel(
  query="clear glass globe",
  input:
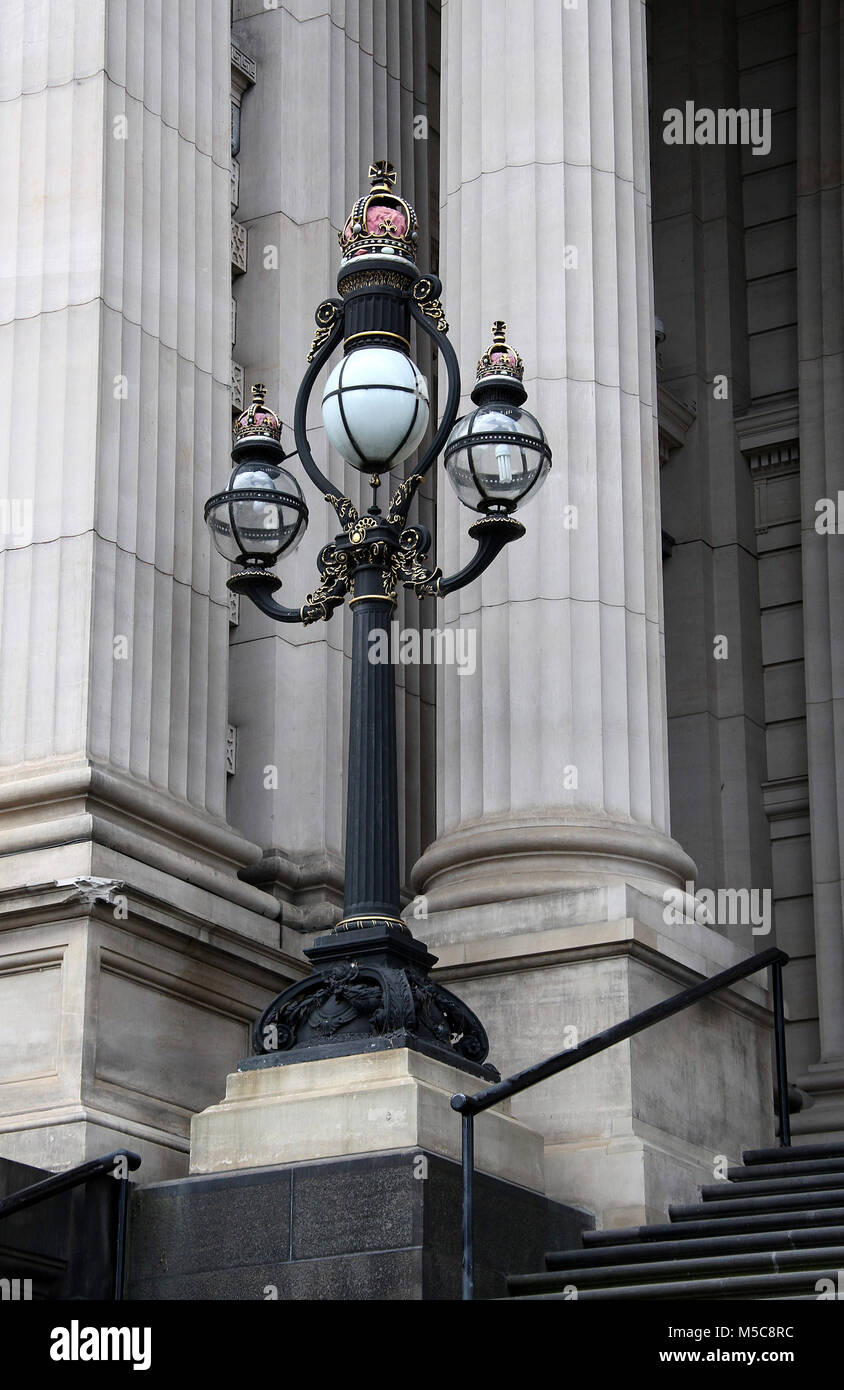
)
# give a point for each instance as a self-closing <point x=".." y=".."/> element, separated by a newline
<point x="497" y="458"/>
<point x="375" y="407"/>
<point x="261" y="515"/>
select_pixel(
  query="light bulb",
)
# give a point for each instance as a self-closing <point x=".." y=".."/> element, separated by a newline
<point x="502" y="458"/>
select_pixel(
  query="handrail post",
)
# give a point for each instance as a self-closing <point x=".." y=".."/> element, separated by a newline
<point x="782" y="1066"/>
<point x="120" y="1251"/>
<point x="468" y="1120"/>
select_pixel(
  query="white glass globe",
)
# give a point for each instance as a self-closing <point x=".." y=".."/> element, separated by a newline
<point x="375" y="407"/>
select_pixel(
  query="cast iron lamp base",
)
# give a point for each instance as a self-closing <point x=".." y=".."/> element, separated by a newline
<point x="371" y="989"/>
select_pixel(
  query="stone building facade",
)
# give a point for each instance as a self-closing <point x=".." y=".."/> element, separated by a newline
<point x="658" y="693"/>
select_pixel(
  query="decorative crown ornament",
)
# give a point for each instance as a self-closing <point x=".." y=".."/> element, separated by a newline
<point x="380" y="223"/>
<point x="500" y="359"/>
<point x="258" y="419"/>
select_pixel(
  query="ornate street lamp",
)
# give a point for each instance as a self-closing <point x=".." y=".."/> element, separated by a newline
<point x="371" y="986"/>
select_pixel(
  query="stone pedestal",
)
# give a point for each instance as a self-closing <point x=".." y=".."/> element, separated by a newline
<point x="373" y="1227"/>
<point x="365" y="1103"/>
<point x="643" y="1124"/>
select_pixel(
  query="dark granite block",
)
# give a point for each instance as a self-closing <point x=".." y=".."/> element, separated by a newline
<point x="375" y="1227"/>
<point x="348" y="1206"/>
<point x="208" y="1223"/>
<point x="390" y="1276"/>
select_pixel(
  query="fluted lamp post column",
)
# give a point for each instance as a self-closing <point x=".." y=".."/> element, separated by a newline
<point x="371" y="986"/>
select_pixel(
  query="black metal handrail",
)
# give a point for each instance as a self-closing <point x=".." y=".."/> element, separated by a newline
<point x="75" y="1177"/>
<point x="470" y="1106"/>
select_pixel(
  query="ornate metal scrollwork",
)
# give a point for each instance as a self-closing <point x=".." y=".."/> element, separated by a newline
<point x="348" y="1000"/>
<point x="357" y="528"/>
<point x="333" y="565"/>
<point x="426" y="292"/>
<point x="407" y="562"/>
<point x="345" y="508"/>
<point x="325" y="318"/>
<point x="402" y="498"/>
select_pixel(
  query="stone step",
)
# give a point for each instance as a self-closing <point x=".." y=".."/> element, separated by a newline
<point x="812" y="1259"/>
<point x="685" y="1249"/>
<point x="798" y="1283"/>
<point x="814" y="1182"/>
<point x="759" y="1171"/>
<point x="731" y="1225"/>
<point x="796" y="1151"/>
<point x="772" y="1230"/>
<point x="749" y="1206"/>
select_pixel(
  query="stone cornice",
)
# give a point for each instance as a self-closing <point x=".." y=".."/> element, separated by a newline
<point x="786" y="797"/>
<point x="674" y="419"/>
<point x="82" y="801"/>
<point x="769" y="439"/>
<point x="244" y="71"/>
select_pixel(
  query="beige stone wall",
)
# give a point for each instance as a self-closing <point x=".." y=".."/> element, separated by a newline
<point x="114" y="418"/>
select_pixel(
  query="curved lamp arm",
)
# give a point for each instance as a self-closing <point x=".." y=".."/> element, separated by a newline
<point x="333" y="565"/>
<point x="427" y="311"/>
<point x="492" y="533"/>
<point x="260" y="589"/>
<point x="329" y="316"/>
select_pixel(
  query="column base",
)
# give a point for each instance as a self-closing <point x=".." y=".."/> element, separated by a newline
<point x="821" y="1121"/>
<point x="501" y="858"/>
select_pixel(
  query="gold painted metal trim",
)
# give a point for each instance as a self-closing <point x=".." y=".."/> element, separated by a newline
<point x="386" y="598"/>
<point x="371" y="917"/>
<point x="378" y="333"/>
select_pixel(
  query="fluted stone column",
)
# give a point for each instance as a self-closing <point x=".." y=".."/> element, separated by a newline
<point x="335" y="89"/>
<point x="544" y="887"/>
<point x="134" y="958"/>
<point x="554" y="754"/>
<point x="820" y="251"/>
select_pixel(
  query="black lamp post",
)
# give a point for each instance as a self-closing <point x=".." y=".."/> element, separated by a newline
<point x="371" y="986"/>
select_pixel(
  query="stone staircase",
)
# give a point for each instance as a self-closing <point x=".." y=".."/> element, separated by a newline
<point x="772" y="1230"/>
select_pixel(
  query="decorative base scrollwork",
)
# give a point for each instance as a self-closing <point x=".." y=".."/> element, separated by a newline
<point x="382" y="990"/>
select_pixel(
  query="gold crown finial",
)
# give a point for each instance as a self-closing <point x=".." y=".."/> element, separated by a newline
<point x="380" y="223"/>
<point x="257" y="418"/>
<point x="500" y="359"/>
<point x="382" y="176"/>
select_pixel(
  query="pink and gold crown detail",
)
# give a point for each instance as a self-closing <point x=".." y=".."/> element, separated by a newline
<point x="380" y="223"/>
<point x="500" y="359"/>
<point x="258" y="419"/>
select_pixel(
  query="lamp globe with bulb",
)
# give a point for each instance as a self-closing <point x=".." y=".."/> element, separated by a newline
<point x="262" y="514"/>
<point x="497" y="456"/>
